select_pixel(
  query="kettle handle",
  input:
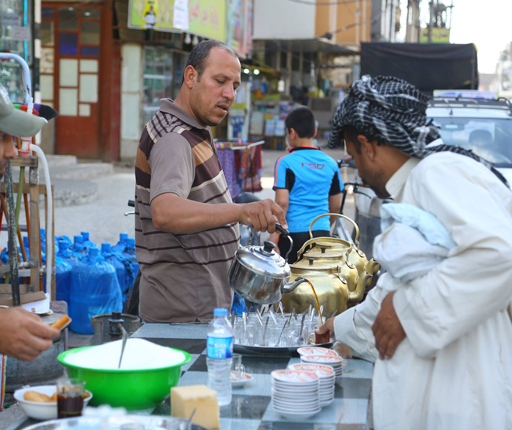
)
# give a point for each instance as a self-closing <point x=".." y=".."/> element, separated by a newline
<point x="285" y="233"/>
<point x="356" y="240"/>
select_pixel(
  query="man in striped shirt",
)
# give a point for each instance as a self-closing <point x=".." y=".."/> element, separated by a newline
<point x="186" y="225"/>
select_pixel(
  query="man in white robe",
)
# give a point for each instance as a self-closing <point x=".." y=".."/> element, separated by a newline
<point x="442" y="343"/>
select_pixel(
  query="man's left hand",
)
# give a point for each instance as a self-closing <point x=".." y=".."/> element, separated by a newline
<point x="387" y="329"/>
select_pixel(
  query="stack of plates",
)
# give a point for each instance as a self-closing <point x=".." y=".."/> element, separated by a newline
<point x="295" y="393"/>
<point x="327" y="380"/>
<point x="334" y="361"/>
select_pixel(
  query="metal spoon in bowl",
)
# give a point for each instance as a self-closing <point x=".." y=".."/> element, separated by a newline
<point x="125" y="338"/>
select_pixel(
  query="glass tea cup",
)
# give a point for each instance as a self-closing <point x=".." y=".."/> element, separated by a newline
<point x="70" y="397"/>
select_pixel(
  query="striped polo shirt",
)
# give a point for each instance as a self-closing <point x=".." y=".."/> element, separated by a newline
<point x="183" y="276"/>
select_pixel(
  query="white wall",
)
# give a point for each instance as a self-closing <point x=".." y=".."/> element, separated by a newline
<point x="131" y="103"/>
<point x="283" y="19"/>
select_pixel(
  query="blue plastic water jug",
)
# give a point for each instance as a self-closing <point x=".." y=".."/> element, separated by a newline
<point x="116" y="261"/>
<point x="63" y="270"/>
<point x="87" y="242"/>
<point x="94" y="290"/>
<point x="79" y="252"/>
<point x="121" y="245"/>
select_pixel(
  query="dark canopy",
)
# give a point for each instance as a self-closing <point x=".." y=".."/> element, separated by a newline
<point x="427" y="66"/>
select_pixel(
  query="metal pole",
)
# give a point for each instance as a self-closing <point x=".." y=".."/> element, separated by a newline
<point x="12" y="245"/>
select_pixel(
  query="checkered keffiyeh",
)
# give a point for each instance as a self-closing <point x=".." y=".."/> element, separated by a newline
<point x="393" y="111"/>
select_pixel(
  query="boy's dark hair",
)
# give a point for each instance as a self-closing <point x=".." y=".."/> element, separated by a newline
<point x="199" y="55"/>
<point x="352" y="134"/>
<point x="302" y="121"/>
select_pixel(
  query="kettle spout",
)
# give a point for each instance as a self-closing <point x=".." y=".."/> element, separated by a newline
<point x="288" y="288"/>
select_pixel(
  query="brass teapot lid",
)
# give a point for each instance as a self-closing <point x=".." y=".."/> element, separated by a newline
<point x="324" y="252"/>
<point x="310" y="264"/>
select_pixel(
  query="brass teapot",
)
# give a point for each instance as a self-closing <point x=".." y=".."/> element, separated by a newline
<point x="331" y="288"/>
<point x="328" y="246"/>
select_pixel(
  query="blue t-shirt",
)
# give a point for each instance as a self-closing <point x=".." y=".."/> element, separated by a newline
<point x="311" y="177"/>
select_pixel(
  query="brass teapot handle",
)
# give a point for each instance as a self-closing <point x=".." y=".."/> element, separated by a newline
<point x="356" y="240"/>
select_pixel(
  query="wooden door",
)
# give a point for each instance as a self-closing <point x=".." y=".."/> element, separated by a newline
<point x="77" y="79"/>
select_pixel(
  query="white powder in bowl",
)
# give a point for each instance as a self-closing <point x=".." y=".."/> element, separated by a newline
<point x="138" y="354"/>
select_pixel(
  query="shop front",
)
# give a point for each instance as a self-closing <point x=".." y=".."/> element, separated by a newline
<point x="78" y="76"/>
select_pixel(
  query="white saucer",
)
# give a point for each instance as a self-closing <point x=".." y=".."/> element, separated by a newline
<point x="241" y="382"/>
<point x="297" y="416"/>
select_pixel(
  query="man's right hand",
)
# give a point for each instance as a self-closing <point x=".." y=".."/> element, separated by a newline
<point x="24" y="336"/>
<point x="263" y="215"/>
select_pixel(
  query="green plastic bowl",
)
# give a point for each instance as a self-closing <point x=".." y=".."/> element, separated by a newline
<point x="131" y="389"/>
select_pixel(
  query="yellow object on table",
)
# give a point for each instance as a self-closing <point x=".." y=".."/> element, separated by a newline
<point x="185" y="399"/>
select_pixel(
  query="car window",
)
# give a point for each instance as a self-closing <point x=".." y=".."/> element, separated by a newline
<point x="490" y="138"/>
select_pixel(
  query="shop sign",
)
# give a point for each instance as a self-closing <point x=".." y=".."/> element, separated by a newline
<point x="207" y="18"/>
<point x="151" y="14"/>
<point x="235" y="26"/>
<point x="181" y="14"/>
<point x="10" y="19"/>
<point x="439" y="35"/>
<point x="20" y="33"/>
<point x="247" y="50"/>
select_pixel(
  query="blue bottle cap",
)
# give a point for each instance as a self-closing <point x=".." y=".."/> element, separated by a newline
<point x="130" y="241"/>
<point x="85" y="235"/>
<point x="220" y="312"/>
<point x="78" y="239"/>
<point x="63" y="245"/>
<point x="123" y="236"/>
<point x="105" y="247"/>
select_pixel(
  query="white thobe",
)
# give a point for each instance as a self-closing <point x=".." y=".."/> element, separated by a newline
<point x="454" y="368"/>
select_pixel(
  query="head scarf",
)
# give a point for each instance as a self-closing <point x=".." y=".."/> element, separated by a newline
<point x="393" y="111"/>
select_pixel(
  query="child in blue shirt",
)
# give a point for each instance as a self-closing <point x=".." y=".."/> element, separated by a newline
<point x="307" y="183"/>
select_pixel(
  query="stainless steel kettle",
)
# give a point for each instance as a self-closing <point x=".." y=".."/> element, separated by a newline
<point x="260" y="275"/>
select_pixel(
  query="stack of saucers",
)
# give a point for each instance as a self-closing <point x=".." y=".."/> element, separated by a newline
<point x="295" y="393"/>
<point x="317" y="355"/>
<point x="327" y="380"/>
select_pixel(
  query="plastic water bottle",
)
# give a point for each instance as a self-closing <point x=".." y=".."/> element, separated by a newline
<point x="220" y="353"/>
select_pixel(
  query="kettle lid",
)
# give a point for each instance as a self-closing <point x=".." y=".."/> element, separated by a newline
<point x="263" y="260"/>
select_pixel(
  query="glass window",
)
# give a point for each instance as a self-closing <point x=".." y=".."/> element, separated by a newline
<point x="179" y="68"/>
<point x="90" y="33"/>
<point x="91" y="13"/>
<point x="90" y="51"/>
<point x="68" y="43"/>
<point x="489" y="138"/>
<point x="68" y="18"/>
<point x="47" y="12"/>
<point x="14" y="13"/>
<point x="157" y="80"/>
<point x="47" y="33"/>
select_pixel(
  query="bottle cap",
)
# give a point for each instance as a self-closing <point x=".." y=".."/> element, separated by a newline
<point x="85" y="235"/>
<point x="130" y="241"/>
<point x="78" y="239"/>
<point x="105" y="247"/>
<point x="63" y="245"/>
<point x="123" y="236"/>
<point x="220" y="312"/>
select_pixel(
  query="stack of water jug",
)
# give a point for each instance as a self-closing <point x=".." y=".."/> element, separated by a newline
<point x="90" y="279"/>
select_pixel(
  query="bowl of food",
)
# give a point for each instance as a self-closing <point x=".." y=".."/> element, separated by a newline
<point x="40" y="403"/>
<point x="144" y="379"/>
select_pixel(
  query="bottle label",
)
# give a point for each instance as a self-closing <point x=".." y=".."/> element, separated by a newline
<point x="220" y="347"/>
